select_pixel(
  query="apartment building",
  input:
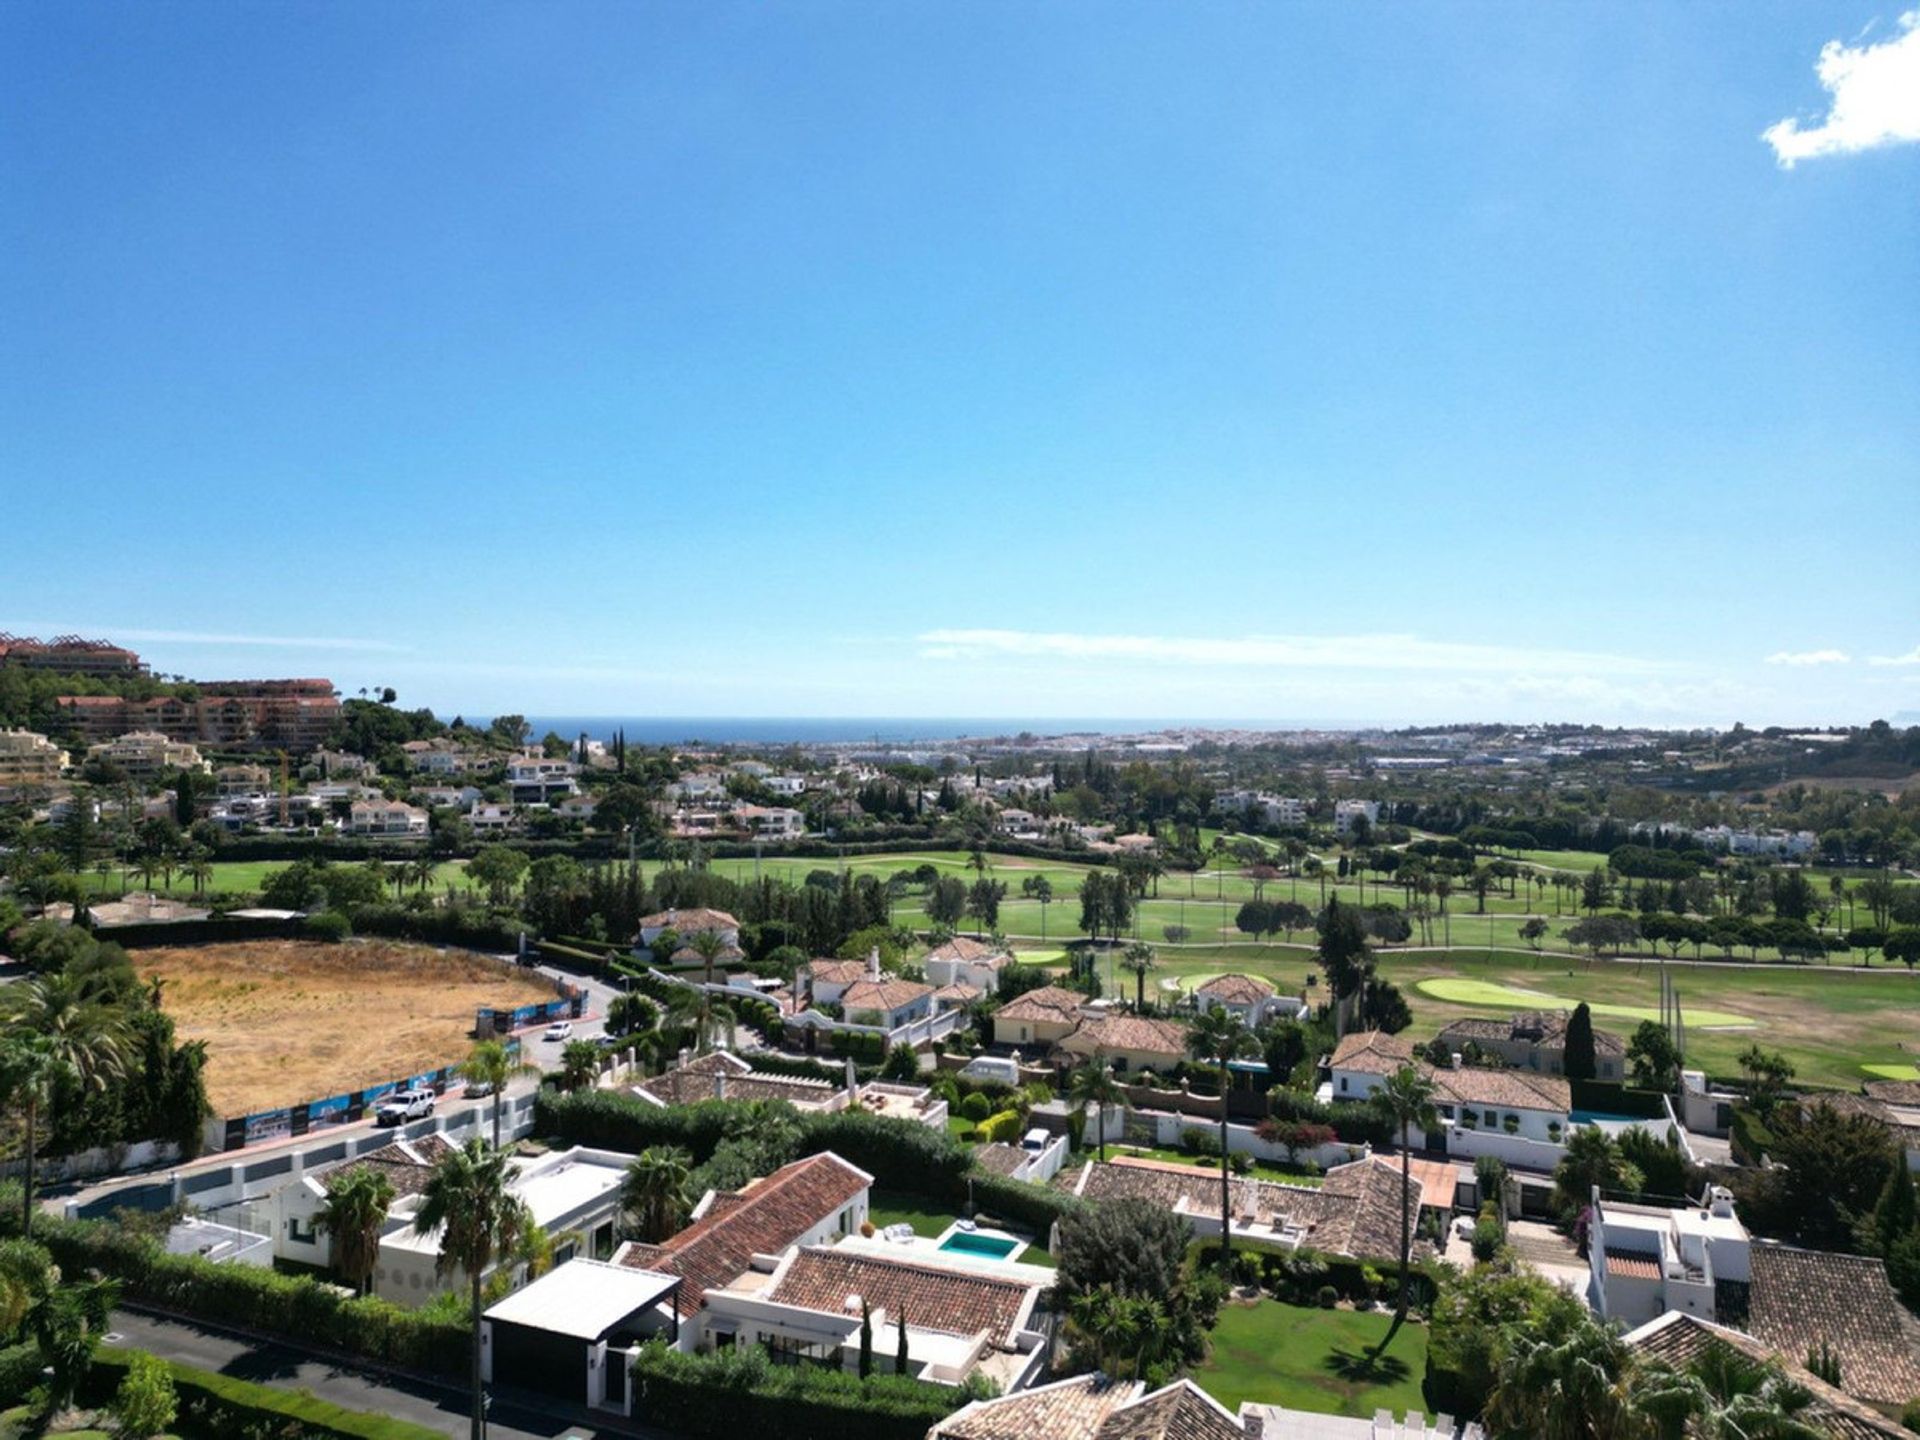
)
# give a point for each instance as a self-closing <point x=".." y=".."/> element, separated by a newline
<point x="29" y="763"/>
<point x="144" y="754"/>
<point x="292" y="715"/>
<point x="69" y="655"/>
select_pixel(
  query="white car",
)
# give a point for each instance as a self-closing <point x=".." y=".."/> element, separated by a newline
<point x="404" y="1105"/>
<point x="559" y="1030"/>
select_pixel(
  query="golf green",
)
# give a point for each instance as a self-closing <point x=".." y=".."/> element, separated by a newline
<point x="1458" y="991"/>
<point x="1892" y="1072"/>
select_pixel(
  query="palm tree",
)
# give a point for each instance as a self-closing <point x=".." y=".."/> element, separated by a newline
<point x="1093" y="1085"/>
<point x="423" y="870"/>
<point x="354" y="1213"/>
<point x="86" y="1044"/>
<point x="1562" y="1386"/>
<point x="490" y="1064"/>
<point x="697" y="1010"/>
<point x="1220" y="1037"/>
<point x="1138" y="957"/>
<point x="1723" y="1395"/>
<point x="708" y="945"/>
<point x="26" y="1276"/>
<point x="1408" y="1098"/>
<point x="468" y="1200"/>
<point x="200" y="870"/>
<point x="579" y="1064"/>
<point x="655" y="1191"/>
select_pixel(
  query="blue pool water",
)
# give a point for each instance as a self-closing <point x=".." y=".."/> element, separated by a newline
<point x="991" y="1247"/>
<point x="1588" y="1117"/>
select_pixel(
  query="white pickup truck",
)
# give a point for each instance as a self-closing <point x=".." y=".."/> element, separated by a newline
<point x="404" y="1105"/>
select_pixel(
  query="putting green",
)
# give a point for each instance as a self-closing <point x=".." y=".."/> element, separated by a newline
<point x="1892" y="1072"/>
<point x="1460" y="991"/>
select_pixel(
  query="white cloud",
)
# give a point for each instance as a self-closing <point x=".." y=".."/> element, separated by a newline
<point x="134" y="634"/>
<point x="1330" y="652"/>
<point x="1912" y="657"/>
<point x="1809" y="657"/>
<point x="1875" y="93"/>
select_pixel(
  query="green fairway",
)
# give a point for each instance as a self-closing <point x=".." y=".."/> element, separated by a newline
<point x="1320" y="1360"/>
<point x="233" y="877"/>
<point x="1512" y="997"/>
<point x="1893" y="1072"/>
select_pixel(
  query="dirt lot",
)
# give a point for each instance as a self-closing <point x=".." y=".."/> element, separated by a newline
<point x="293" y="1020"/>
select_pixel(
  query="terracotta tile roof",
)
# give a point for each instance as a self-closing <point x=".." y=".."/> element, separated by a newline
<point x="764" y="1218"/>
<point x="1372" y="1052"/>
<point x="725" y="955"/>
<point x="1894" y="1092"/>
<point x="1799" y="1297"/>
<point x="1065" y="1410"/>
<point x="959" y="992"/>
<point x="700" y="1080"/>
<point x="1903" y="1120"/>
<point x="837" y="972"/>
<point x="883" y="995"/>
<point x="1049" y="1002"/>
<point x="973" y="952"/>
<point x="1678" y="1340"/>
<point x="1508" y="1089"/>
<point x="1631" y="1264"/>
<point x="686" y="922"/>
<point x="924" y="1296"/>
<point x="1356" y="1212"/>
<point x="1238" y="989"/>
<point x="1181" y="1411"/>
<point x="1000" y="1158"/>
<point x="407" y="1164"/>
<point x="1129" y="1032"/>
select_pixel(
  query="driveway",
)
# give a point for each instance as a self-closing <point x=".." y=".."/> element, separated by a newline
<point x="440" y="1408"/>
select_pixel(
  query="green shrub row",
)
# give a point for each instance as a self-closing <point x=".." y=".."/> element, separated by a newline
<point x="1002" y="1127"/>
<point x="1354" y="1122"/>
<point x="466" y="926"/>
<point x="257" y="1299"/>
<point x="1748" y="1136"/>
<point x="738" y="1392"/>
<point x="218" y="1405"/>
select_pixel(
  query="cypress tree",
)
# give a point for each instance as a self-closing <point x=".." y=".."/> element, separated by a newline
<point x="866" y="1340"/>
<point x="900" y="1360"/>
<point x="1893" y="1217"/>
<point x="1580" y="1061"/>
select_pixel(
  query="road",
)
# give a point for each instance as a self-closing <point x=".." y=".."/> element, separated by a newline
<point x="441" y="1408"/>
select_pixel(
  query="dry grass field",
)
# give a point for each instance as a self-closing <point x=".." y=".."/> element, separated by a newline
<point x="293" y="1020"/>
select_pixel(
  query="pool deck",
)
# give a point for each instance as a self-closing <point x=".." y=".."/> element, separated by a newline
<point x="924" y="1251"/>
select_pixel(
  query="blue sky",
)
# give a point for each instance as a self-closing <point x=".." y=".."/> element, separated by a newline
<point x="1234" y="361"/>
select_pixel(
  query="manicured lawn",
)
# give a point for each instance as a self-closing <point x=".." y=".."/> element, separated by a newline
<point x="1893" y="1072"/>
<point x="1318" y="1360"/>
<point x="1512" y="997"/>
<point x="1261" y="1170"/>
<point x="890" y="1207"/>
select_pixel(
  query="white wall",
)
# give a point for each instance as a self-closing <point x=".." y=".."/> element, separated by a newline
<point x="1515" y="1150"/>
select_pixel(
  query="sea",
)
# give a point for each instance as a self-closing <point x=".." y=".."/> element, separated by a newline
<point x="757" y="730"/>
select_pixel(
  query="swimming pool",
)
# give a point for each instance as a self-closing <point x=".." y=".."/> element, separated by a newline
<point x="987" y="1247"/>
<point x="1603" y="1117"/>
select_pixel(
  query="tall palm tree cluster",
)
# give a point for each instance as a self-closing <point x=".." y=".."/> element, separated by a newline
<point x="62" y="1036"/>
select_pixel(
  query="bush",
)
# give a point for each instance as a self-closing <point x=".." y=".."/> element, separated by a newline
<point x="221" y="1405"/>
<point x="20" y="1367"/>
<point x="328" y="925"/>
<point x="1196" y="1140"/>
<point x="1910" y="1416"/>
<point x="1488" y="1236"/>
<point x="739" y="1391"/>
<point x="1328" y="1297"/>
<point x="1354" y="1121"/>
<point x="976" y="1107"/>
<point x="1002" y="1127"/>
<point x="146" y="1402"/>
<point x="1036" y="1207"/>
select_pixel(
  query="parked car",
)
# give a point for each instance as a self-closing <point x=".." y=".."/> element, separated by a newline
<point x="1036" y="1139"/>
<point x="559" y="1030"/>
<point x="404" y="1105"/>
<point x="478" y="1089"/>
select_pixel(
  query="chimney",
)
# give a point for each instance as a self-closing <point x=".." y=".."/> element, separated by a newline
<point x="685" y="1056"/>
<point x="1459" y="1060"/>
<point x="720" y="1084"/>
<point x="873" y="962"/>
<point x="1720" y="1202"/>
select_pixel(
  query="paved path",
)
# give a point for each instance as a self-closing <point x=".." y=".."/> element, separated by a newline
<point x="440" y="1408"/>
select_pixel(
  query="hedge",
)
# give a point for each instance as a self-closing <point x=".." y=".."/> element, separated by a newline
<point x="1004" y="1126"/>
<point x="1749" y="1137"/>
<point x="1612" y="1098"/>
<point x="1354" y="1121"/>
<point x="1035" y="1207"/>
<point x="257" y="1299"/>
<point x="219" y="1405"/>
<point x="20" y="1369"/>
<point x="465" y="926"/>
<point x="739" y="1393"/>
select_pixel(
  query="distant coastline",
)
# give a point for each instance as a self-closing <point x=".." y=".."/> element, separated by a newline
<point x="855" y="729"/>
